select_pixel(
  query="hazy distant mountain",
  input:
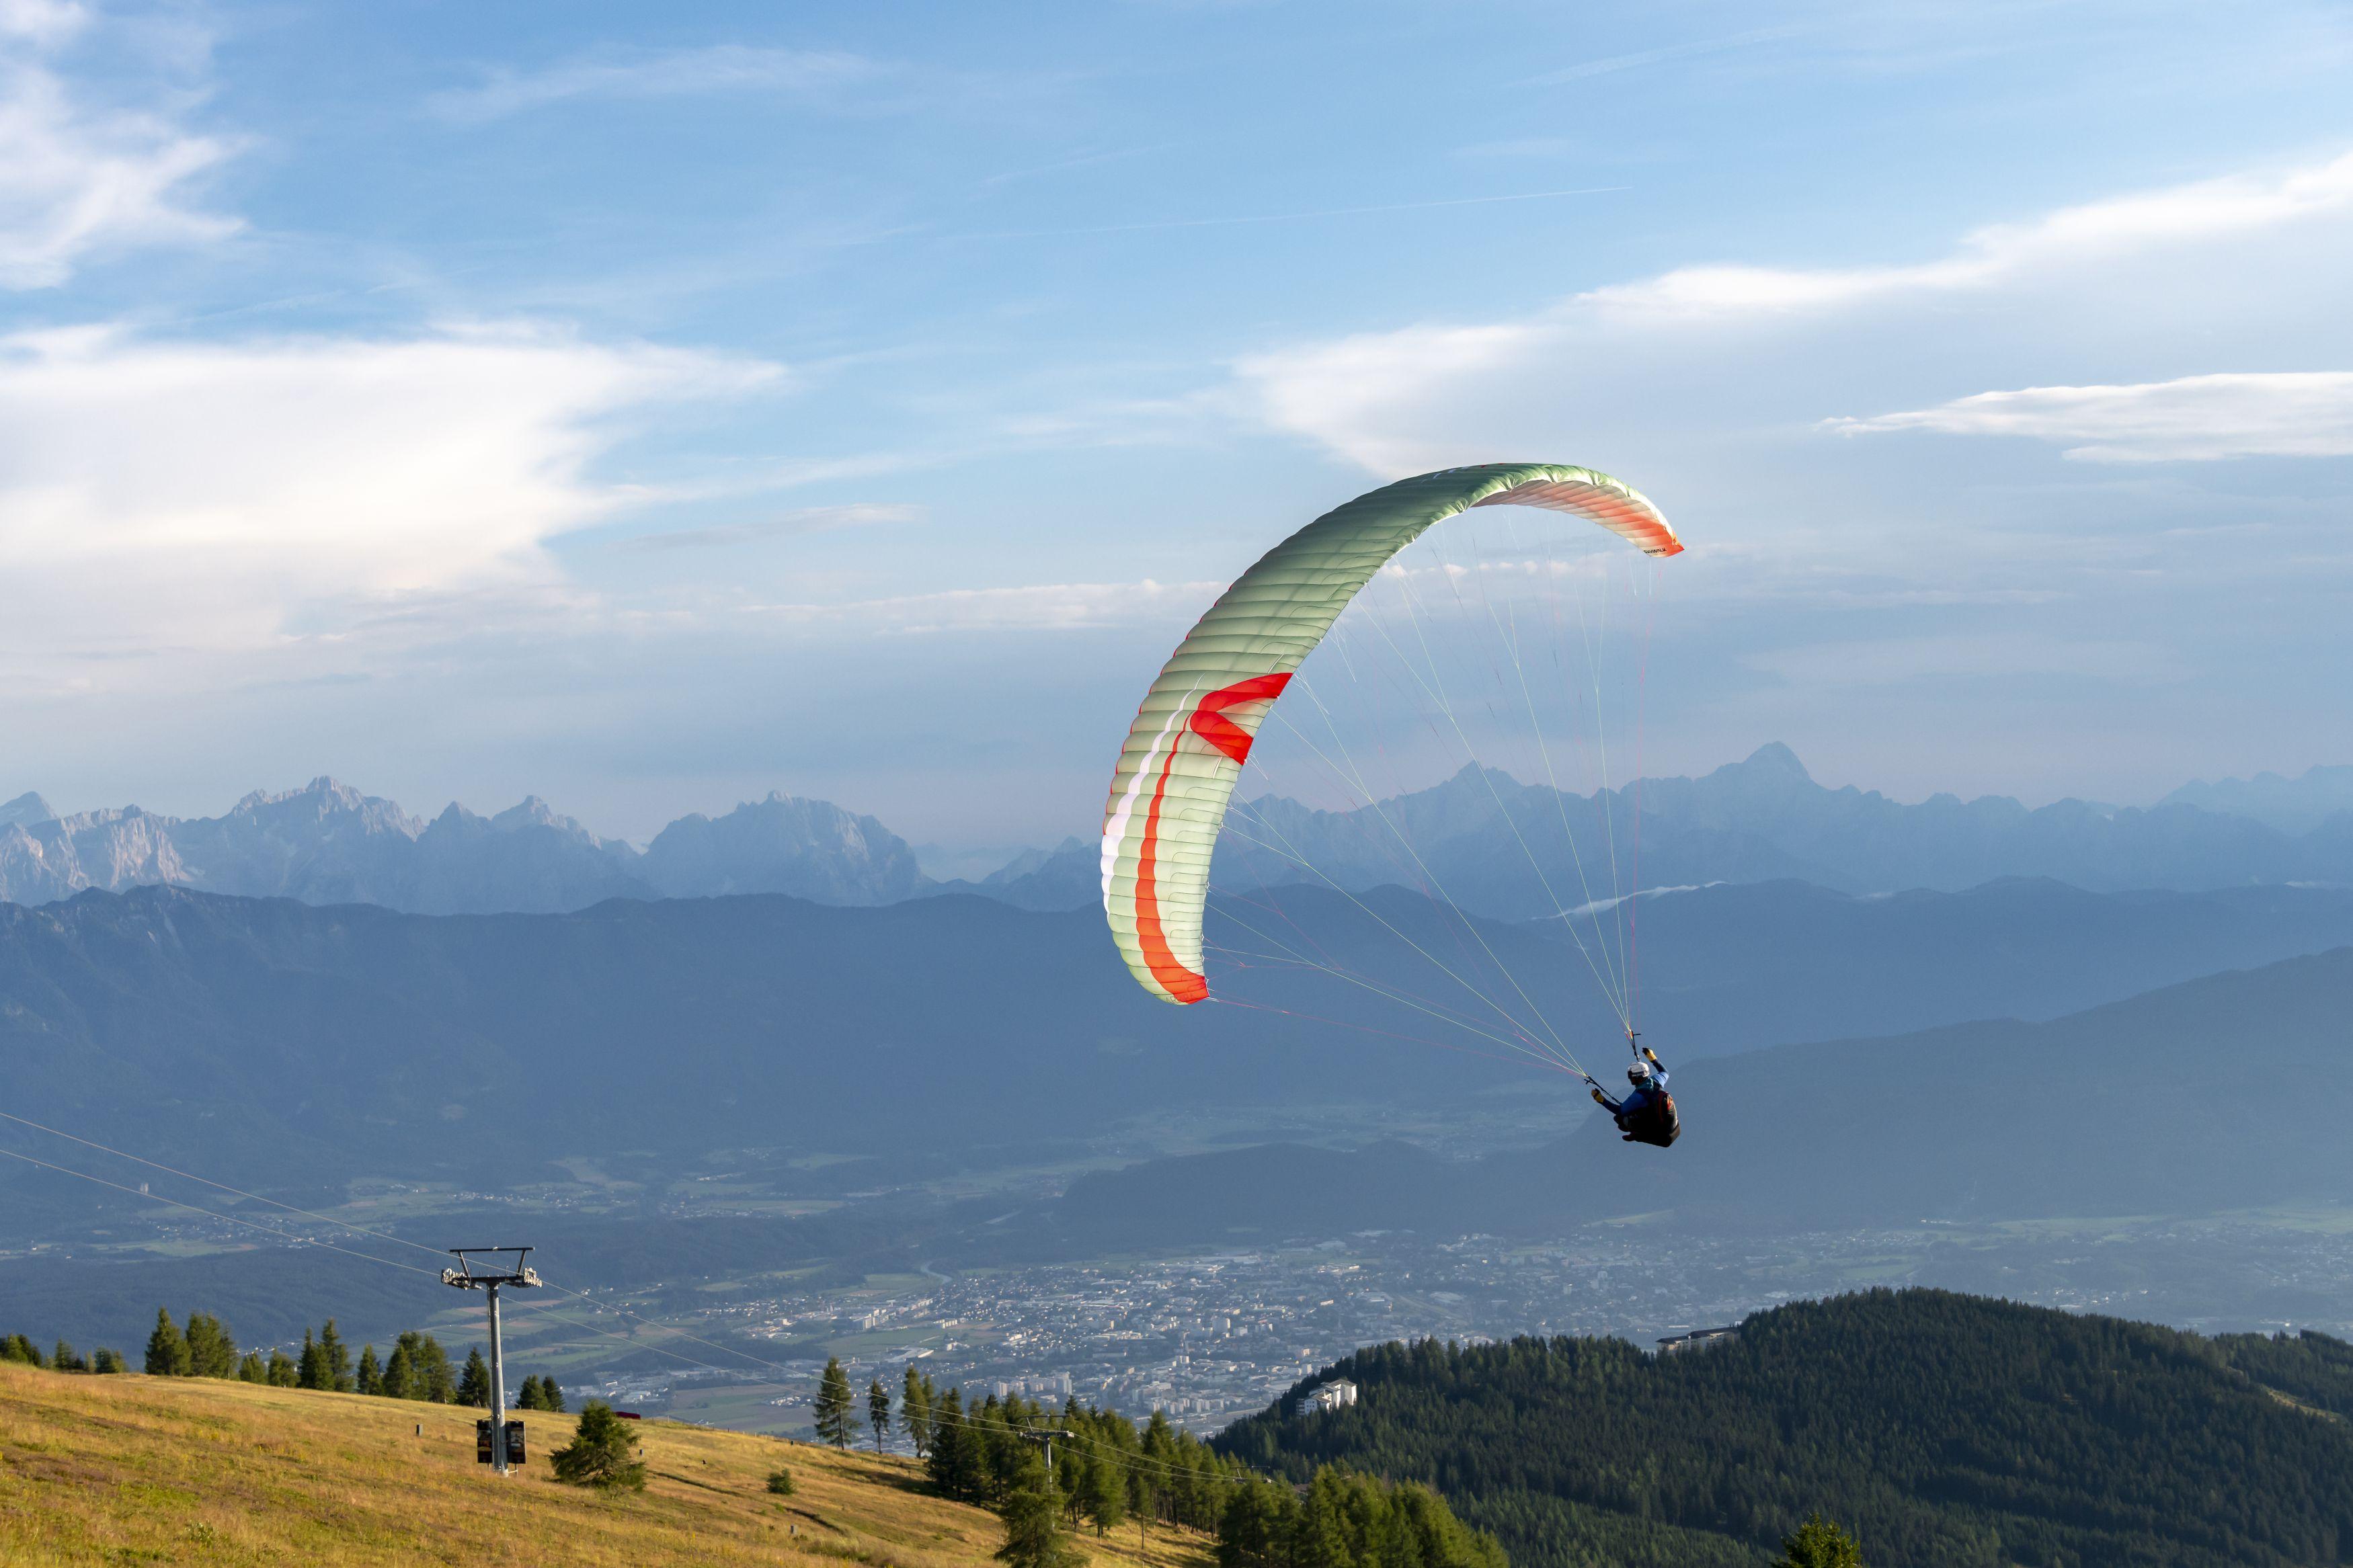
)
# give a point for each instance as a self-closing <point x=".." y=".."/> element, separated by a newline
<point x="1067" y="876"/>
<point x="810" y="848"/>
<point x="1753" y="821"/>
<point x="1472" y="840"/>
<point x="2224" y="1093"/>
<point x="329" y="843"/>
<point x="267" y="1040"/>
<point x="2290" y="805"/>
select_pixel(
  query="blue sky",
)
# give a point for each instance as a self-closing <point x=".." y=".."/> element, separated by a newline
<point x="650" y="407"/>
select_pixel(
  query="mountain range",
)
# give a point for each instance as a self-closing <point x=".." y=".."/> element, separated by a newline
<point x="2228" y="1092"/>
<point x="329" y="843"/>
<point x="1480" y="840"/>
<point x="265" y="1041"/>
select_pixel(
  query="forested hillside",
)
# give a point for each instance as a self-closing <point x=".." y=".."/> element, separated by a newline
<point x="1949" y="1430"/>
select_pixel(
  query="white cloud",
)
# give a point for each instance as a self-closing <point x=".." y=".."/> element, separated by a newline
<point x="78" y="179"/>
<point x="680" y="73"/>
<point x="1043" y="606"/>
<point x="2289" y="414"/>
<point x="2203" y="211"/>
<point x="229" y="495"/>
<point x="2254" y="260"/>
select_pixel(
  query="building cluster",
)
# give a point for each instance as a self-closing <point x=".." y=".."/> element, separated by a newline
<point x="1210" y="1339"/>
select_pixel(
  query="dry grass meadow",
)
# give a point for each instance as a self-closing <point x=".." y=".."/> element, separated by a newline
<point x="132" y="1470"/>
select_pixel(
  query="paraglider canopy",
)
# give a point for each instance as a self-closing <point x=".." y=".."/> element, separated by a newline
<point x="1198" y="721"/>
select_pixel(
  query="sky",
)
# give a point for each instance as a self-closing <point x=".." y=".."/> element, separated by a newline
<point x="650" y="407"/>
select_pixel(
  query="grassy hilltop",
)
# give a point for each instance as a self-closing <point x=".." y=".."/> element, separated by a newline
<point x="134" y="1469"/>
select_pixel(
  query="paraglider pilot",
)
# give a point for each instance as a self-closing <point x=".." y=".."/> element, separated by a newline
<point x="1647" y="1114"/>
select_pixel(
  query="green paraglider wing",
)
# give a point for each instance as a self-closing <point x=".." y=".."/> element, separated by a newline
<point x="1194" y="731"/>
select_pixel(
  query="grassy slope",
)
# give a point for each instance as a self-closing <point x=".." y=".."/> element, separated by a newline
<point x="138" y="1470"/>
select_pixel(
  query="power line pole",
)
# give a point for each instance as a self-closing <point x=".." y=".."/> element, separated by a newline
<point x="488" y="1278"/>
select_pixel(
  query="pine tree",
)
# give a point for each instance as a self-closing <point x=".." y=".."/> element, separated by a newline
<point x="335" y="1359"/>
<point x="878" y="1411"/>
<point x="65" y="1358"/>
<point x="253" y="1369"/>
<point x="599" y="1453"/>
<point x="167" y="1348"/>
<point x="835" y="1409"/>
<point x="370" y="1379"/>
<point x="211" y="1351"/>
<point x="474" y="1384"/>
<point x="1033" y="1533"/>
<point x="283" y="1373"/>
<point x="399" y="1374"/>
<point x="527" y="1396"/>
<point x="915" y="1411"/>
<point x="18" y="1348"/>
<point x="551" y="1395"/>
<point x="1102" y="1493"/>
<point x="104" y="1360"/>
<point x="948" y="1439"/>
<point x="311" y="1366"/>
<point x="430" y="1376"/>
<point x="1819" y="1544"/>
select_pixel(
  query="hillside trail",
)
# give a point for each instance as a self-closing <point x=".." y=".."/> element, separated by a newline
<point x="131" y="1469"/>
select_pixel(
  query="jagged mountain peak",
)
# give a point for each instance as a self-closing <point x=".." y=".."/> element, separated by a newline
<point x="1774" y="757"/>
<point x="27" y="807"/>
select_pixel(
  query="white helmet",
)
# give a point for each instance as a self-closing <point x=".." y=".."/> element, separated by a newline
<point x="1640" y="1073"/>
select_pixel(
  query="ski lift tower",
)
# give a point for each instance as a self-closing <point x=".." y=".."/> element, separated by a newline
<point x="487" y="1276"/>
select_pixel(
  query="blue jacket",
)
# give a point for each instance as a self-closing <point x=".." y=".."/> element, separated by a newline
<point x="1639" y="1101"/>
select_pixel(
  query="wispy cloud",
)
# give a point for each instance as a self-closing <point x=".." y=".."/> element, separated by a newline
<point x="78" y="178"/>
<point x="2203" y="211"/>
<point x="804" y="519"/>
<point x="1291" y="217"/>
<point x="1427" y="395"/>
<point x="807" y="74"/>
<point x="1897" y="661"/>
<point x="2290" y="413"/>
<point x="1043" y="606"/>
<point x="1610" y="64"/>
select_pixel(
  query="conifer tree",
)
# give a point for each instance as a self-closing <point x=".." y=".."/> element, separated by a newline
<point x="65" y="1358"/>
<point x="835" y="1409"/>
<point x="599" y="1453"/>
<point x="878" y="1411"/>
<point x="474" y="1383"/>
<point x="527" y="1396"/>
<point x="1102" y="1493"/>
<point x="104" y="1360"/>
<point x="1819" y="1544"/>
<point x="18" y="1348"/>
<point x="915" y="1411"/>
<point x="253" y="1369"/>
<point x="211" y="1351"/>
<point x="948" y="1439"/>
<point x="551" y="1394"/>
<point x="431" y="1377"/>
<point x="369" y="1378"/>
<point x="311" y="1366"/>
<point x="1033" y="1533"/>
<point x="335" y="1359"/>
<point x="400" y="1374"/>
<point x="283" y="1371"/>
<point x="167" y="1348"/>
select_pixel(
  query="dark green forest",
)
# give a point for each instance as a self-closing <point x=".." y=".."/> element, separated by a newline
<point x="1109" y="1473"/>
<point x="1946" y="1430"/>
